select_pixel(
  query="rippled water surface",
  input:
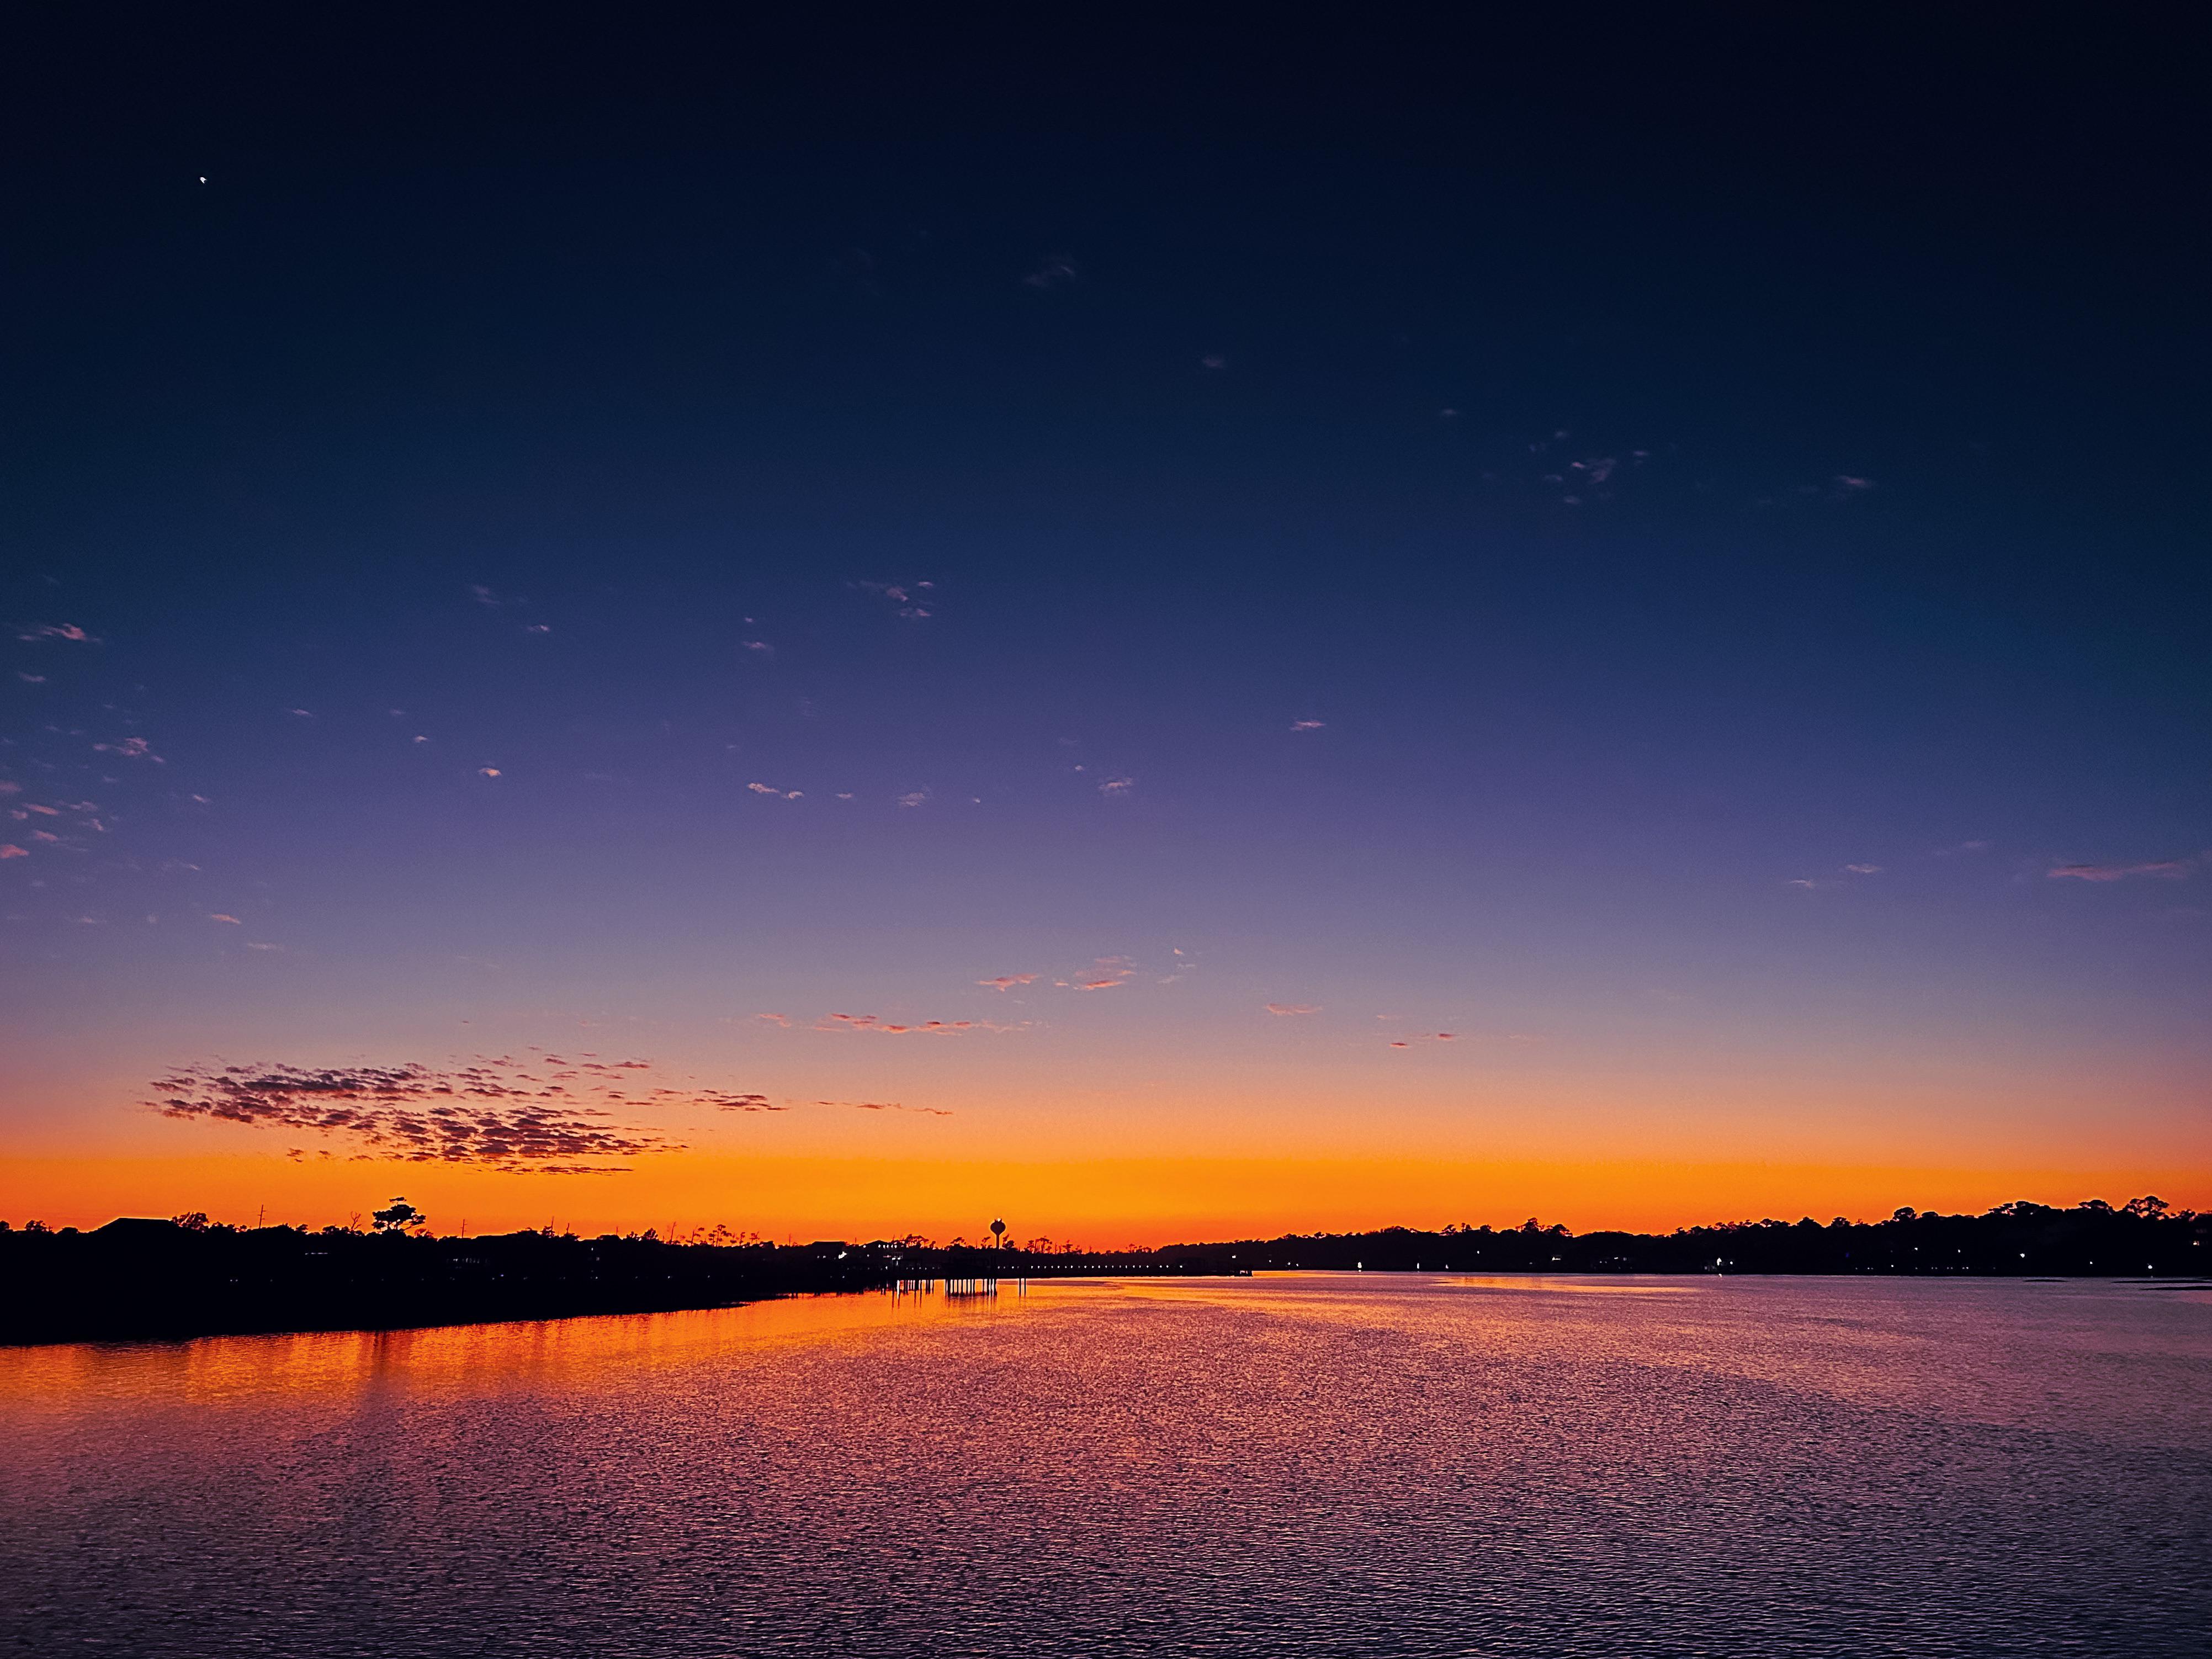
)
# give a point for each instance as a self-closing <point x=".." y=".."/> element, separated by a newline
<point x="1303" y="1464"/>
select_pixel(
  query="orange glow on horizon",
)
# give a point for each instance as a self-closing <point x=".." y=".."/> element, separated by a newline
<point x="1093" y="1202"/>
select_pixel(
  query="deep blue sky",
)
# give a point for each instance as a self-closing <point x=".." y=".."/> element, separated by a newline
<point x="1673" y="462"/>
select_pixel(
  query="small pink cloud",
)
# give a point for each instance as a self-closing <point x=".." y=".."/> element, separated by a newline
<point x="1117" y="786"/>
<point x="1863" y="869"/>
<point x="1287" y="1010"/>
<point x="2168" y="870"/>
<point x="913" y="797"/>
<point x="872" y="1023"/>
<point x="1308" y="725"/>
<point x="1007" y="982"/>
<point x="61" y="631"/>
<point x="783" y="1020"/>
<point x="130" y="749"/>
<point x="9" y="850"/>
<point x="912" y="601"/>
<point x="488" y="771"/>
<point x="220" y="916"/>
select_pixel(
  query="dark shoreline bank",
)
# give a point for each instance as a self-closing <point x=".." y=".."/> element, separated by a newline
<point x="137" y="1281"/>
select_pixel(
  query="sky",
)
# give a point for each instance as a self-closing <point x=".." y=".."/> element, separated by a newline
<point x="1163" y="634"/>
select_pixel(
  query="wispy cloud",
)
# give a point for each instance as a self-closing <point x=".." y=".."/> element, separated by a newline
<point x="1054" y="271"/>
<point x="875" y="1025"/>
<point x="914" y="601"/>
<point x="885" y="1106"/>
<point x="1113" y="787"/>
<point x="770" y="789"/>
<point x="9" y="850"/>
<point x="784" y="1020"/>
<point x="1308" y="725"/>
<point x="1113" y="973"/>
<point x="913" y="797"/>
<point x="1863" y="869"/>
<point x="1007" y="982"/>
<point x="2167" y="869"/>
<point x="130" y="749"/>
<point x="1287" y="1010"/>
<point x="68" y="631"/>
<point x="722" y="1100"/>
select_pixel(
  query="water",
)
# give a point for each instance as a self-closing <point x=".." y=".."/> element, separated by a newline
<point x="1302" y="1464"/>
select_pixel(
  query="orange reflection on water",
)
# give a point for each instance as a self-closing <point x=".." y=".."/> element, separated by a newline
<point x="462" y="1359"/>
<point x="1399" y="1462"/>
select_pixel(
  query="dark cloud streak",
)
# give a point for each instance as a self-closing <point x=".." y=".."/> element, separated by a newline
<point x="492" y="1113"/>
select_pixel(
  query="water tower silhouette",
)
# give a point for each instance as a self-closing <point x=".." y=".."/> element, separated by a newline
<point x="997" y="1235"/>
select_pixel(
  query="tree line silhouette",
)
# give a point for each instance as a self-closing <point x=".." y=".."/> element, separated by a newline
<point x="2022" y="1239"/>
<point x="138" y="1277"/>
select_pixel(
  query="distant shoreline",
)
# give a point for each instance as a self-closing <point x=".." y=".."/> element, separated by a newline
<point x="138" y="1280"/>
